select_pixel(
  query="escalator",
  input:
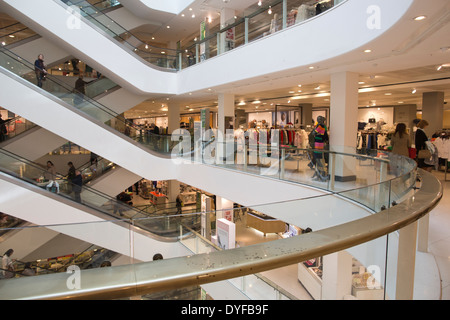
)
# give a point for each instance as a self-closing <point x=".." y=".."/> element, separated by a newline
<point x="91" y="216"/>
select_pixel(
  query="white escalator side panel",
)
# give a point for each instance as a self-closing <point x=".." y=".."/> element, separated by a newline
<point x="115" y="181"/>
<point x="30" y="50"/>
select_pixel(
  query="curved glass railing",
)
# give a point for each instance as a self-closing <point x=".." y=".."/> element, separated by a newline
<point x="338" y="222"/>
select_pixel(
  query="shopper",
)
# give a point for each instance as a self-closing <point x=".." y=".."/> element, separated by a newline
<point x="70" y="176"/>
<point x="80" y="89"/>
<point x="3" y="130"/>
<point x="123" y="199"/>
<point x="400" y="141"/>
<point x="157" y="256"/>
<point x="320" y="143"/>
<point x="77" y="186"/>
<point x="8" y="264"/>
<point x="40" y="70"/>
<point x="179" y="204"/>
<point x="421" y="144"/>
<point x="50" y="176"/>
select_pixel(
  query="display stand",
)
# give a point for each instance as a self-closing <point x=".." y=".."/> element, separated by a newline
<point x="157" y="198"/>
<point x="264" y="223"/>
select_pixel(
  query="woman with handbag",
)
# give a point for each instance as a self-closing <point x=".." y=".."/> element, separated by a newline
<point x="421" y="145"/>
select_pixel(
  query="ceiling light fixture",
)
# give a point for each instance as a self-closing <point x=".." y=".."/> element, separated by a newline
<point x="420" y="18"/>
<point x="368" y="51"/>
<point x="414" y="91"/>
<point x="440" y="67"/>
<point x="270" y="10"/>
<point x="260" y="3"/>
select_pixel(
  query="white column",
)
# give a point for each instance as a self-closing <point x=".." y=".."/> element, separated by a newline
<point x="337" y="276"/>
<point x="407" y="246"/>
<point x="173" y="190"/>
<point x="343" y="122"/>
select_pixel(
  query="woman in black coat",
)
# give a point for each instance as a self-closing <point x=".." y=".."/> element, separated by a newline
<point x="420" y="141"/>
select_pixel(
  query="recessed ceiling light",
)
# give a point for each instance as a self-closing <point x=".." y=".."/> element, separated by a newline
<point x="168" y="27"/>
<point x="368" y="51"/>
<point x="420" y="18"/>
<point x="193" y="16"/>
<point x="361" y="82"/>
<point x="388" y="94"/>
<point x="414" y="91"/>
<point x="311" y="67"/>
<point x="182" y="14"/>
<point x="440" y="67"/>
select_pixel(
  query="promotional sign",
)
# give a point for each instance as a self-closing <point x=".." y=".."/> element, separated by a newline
<point x="226" y="234"/>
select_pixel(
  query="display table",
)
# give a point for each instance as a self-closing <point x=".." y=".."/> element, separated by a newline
<point x="264" y="223"/>
<point x="157" y="198"/>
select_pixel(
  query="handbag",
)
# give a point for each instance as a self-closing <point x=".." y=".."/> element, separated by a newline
<point x="424" y="154"/>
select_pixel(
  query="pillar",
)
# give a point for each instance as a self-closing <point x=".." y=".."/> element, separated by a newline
<point x="337" y="276"/>
<point x="173" y="190"/>
<point x="406" y="262"/>
<point x="433" y="111"/>
<point x="343" y="122"/>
